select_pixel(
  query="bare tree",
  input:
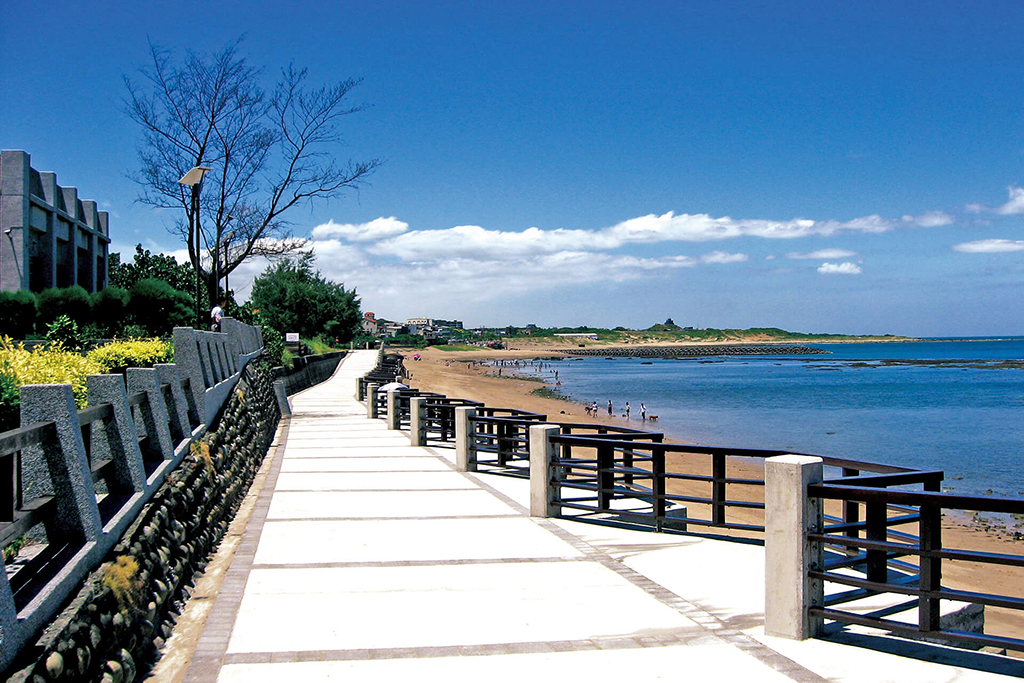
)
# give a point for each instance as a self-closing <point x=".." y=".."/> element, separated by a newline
<point x="267" y="152"/>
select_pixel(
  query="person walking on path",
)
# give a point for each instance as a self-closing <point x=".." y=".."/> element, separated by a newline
<point x="217" y="314"/>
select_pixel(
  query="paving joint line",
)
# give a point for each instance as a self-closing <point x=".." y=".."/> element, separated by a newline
<point x="689" y="609"/>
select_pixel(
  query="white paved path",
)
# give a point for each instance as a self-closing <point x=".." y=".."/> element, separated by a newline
<point x="370" y="560"/>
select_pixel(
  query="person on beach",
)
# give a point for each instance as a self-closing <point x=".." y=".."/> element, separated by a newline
<point x="627" y="410"/>
<point x="609" y="407"/>
<point x="643" y="412"/>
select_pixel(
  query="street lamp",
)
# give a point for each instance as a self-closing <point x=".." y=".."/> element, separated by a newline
<point x="194" y="179"/>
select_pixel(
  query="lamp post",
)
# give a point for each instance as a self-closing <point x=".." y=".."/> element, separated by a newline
<point x="194" y="179"/>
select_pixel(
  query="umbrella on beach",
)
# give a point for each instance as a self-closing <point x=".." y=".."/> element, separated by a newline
<point x="393" y="386"/>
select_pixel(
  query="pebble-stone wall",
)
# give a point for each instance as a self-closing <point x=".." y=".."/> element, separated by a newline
<point x="113" y="630"/>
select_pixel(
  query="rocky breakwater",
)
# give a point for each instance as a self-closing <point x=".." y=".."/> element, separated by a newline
<point x="113" y="630"/>
<point x="695" y="351"/>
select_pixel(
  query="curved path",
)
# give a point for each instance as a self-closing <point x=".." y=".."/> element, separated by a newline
<point x="366" y="559"/>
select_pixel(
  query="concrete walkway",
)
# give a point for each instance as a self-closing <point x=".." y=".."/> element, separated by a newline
<point x="366" y="559"/>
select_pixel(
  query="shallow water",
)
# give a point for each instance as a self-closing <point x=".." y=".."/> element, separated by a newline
<point x="874" y="402"/>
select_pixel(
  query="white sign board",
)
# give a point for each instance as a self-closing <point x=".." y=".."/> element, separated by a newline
<point x="291" y="337"/>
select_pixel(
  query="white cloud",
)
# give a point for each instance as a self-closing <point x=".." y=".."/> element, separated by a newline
<point x="376" y="229"/>
<point x="932" y="219"/>
<point x="1016" y="203"/>
<point x="845" y="268"/>
<point x="822" y="254"/>
<point x="993" y="246"/>
<point x="723" y="257"/>
<point x="975" y="208"/>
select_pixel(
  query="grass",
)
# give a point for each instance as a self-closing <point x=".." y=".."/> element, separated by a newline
<point x="548" y="392"/>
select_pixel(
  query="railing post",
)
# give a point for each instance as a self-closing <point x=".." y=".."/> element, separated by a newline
<point x="186" y="357"/>
<point x="167" y="373"/>
<point x="60" y="469"/>
<point x="718" y="495"/>
<point x="116" y="439"/>
<point x="789" y="515"/>
<point x="543" y="492"/>
<point x="371" y="400"/>
<point x="282" y="398"/>
<point x="393" y="418"/>
<point x="605" y="477"/>
<point x="465" y="440"/>
<point x="931" y="568"/>
<point x="153" y="412"/>
<point x="418" y="421"/>
<point x="360" y="389"/>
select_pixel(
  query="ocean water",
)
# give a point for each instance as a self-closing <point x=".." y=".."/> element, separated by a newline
<point x="895" y="403"/>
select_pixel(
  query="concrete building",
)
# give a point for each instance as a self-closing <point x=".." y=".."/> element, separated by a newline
<point x="48" y="236"/>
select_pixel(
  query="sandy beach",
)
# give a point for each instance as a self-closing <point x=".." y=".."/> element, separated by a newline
<point x="463" y="374"/>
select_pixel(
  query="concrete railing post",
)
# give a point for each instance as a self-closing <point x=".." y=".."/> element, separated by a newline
<point x="60" y="468"/>
<point x="186" y="357"/>
<point x="392" y="418"/>
<point x="465" y="440"/>
<point x="542" y="453"/>
<point x="116" y="439"/>
<point x="152" y="414"/>
<point x="789" y="516"/>
<point x="371" y="400"/>
<point x="418" y="421"/>
<point x="282" y="398"/>
<point x="177" y="407"/>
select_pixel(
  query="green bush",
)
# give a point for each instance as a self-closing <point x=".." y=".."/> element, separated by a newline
<point x="64" y="332"/>
<point x="10" y="399"/>
<point x="18" y="311"/>
<point x="158" y="307"/>
<point x="273" y="345"/>
<point x="70" y="301"/>
<point x="135" y="353"/>
<point x="110" y="310"/>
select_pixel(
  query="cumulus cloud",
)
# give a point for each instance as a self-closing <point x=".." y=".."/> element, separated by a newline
<point x="376" y="229"/>
<point x="845" y="268"/>
<point x="723" y="257"/>
<point x="992" y="246"/>
<point x="822" y="254"/>
<point x="1016" y="203"/>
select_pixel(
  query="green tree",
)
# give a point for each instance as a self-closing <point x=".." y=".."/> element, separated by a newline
<point x="146" y="265"/>
<point x="292" y="296"/>
<point x="158" y="307"/>
<point x="110" y="310"/>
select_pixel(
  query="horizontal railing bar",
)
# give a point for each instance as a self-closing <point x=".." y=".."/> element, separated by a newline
<point x="883" y="480"/>
<point x="30" y="435"/>
<point x="137" y="398"/>
<point x="947" y="501"/>
<point x="908" y="629"/>
<point x="103" y="411"/>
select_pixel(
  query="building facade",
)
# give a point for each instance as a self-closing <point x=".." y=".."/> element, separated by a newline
<point x="48" y="236"/>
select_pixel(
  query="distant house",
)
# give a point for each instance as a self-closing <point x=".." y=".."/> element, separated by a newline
<point x="577" y="335"/>
<point x="48" y="236"/>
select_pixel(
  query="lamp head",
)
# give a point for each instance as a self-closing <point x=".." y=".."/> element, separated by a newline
<point x="194" y="176"/>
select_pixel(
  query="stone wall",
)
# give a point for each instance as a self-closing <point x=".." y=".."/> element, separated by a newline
<point x="113" y="629"/>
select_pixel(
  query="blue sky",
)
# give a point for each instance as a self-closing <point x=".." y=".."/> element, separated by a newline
<point x="824" y="167"/>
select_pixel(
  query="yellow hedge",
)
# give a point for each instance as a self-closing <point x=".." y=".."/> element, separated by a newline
<point x="55" y="365"/>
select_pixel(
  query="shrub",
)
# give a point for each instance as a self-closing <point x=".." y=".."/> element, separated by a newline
<point x="136" y="353"/>
<point x="18" y="311"/>
<point x="70" y="301"/>
<point x="158" y="307"/>
<point x="273" y="345"/>
<point x="47" y="365"/>
<point x="64" y="332"/>
<point x="110" y="310"/>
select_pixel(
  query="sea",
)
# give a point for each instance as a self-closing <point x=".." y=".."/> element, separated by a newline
<point x="955" y="405"/>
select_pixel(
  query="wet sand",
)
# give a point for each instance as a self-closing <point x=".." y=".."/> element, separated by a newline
<point x="453" y="374"/>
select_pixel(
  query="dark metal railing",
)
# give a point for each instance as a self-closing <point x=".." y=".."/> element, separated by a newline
<point x="438" y="421"/>
<point x="907" y="563"/>
<point x="501" y="439"/>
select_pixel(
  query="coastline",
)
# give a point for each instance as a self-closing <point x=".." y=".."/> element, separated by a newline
<point x="460" y="374"/>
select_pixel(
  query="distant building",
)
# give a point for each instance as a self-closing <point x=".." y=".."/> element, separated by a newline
<point x="371" y="325"/>
<point x="48" y="236"/>
<point x="577" y="335"/>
